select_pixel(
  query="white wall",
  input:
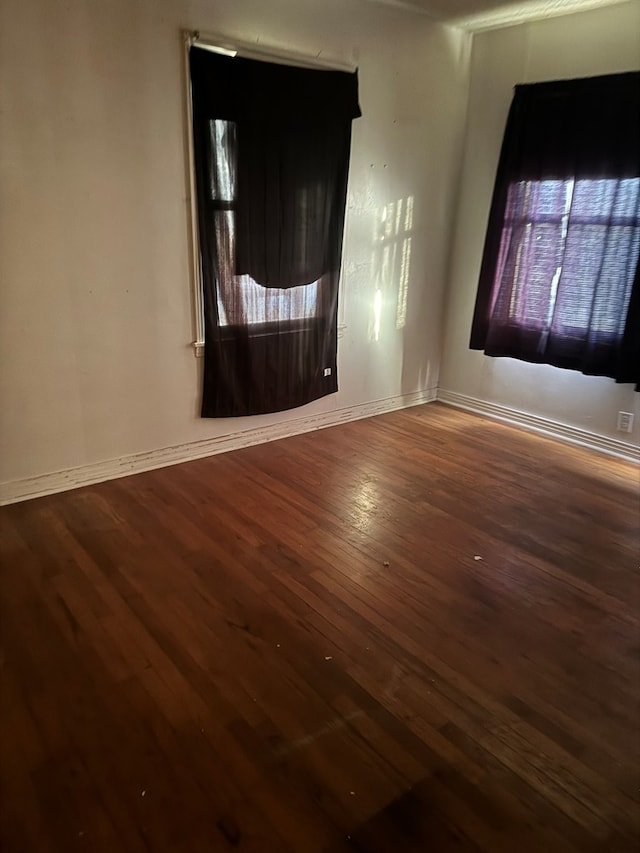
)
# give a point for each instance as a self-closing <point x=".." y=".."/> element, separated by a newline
<point x="578" y="45"/>
<point x="95" y="311"/>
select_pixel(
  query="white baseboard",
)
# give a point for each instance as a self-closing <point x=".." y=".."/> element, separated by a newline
<point x="135" y="463"/>
<point x="554" y="429"/>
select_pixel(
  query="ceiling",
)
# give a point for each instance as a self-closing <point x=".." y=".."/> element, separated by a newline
<point x="487" y="14"/>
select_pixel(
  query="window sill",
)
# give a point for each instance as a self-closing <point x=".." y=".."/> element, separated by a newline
<point x="198" y="346"/>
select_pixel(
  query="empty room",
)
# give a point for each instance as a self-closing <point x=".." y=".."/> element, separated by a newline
<point x="319" y="426"/>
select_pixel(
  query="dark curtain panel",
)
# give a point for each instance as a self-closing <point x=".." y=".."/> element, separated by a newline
<point x="272" y="154"/>
<point x="559" y="281"/>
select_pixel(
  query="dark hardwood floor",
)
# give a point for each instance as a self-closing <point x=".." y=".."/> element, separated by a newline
<point x="418" y="632"/>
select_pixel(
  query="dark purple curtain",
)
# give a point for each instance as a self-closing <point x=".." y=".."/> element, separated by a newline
<point x="559" y="282"/>
<point x="272" y="154"/>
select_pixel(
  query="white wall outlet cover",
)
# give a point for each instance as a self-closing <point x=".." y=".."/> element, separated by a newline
<point x="625" y="421"/>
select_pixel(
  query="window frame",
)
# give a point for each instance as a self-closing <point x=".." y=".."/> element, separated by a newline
<point x="229" y="205"/>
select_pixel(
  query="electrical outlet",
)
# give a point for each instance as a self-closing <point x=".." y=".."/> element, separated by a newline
<point x="327" y="371"/>
<point x="625" y="421"/>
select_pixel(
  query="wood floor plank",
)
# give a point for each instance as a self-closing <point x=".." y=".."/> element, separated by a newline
<point x="415" y="632"/>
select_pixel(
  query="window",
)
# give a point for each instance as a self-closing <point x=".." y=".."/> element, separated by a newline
<point x="585" y="233"/>
<point x="271" y="147"/>
<point x="559" y="279"/>
<point x="241" y="298"/>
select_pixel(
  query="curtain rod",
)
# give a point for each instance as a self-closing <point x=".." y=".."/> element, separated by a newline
<point x="249" y="50"/>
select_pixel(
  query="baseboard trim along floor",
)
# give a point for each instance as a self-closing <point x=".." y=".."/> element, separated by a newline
<point x="135" y="463"/>
<point x="554" y="429"/>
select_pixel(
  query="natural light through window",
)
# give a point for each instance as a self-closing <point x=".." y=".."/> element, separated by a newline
<point x="260" y="304"/>
<point x="559" y="231"/>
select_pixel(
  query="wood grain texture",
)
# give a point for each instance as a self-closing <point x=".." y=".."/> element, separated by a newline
<point x="418" y="632"/>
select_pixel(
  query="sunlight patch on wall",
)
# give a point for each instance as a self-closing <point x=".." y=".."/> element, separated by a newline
<point x="391" y="263"/>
